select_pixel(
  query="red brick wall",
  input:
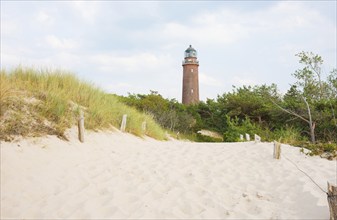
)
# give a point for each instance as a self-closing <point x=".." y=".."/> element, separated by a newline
<point x="190" y="83"/>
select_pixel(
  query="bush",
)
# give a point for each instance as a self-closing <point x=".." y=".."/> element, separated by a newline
<point x="203" y="138"/>
<point x="169" y="114"/>
<point x="235" y="127"/>
<point x="320" y="148"/>
<point x="289" y="135"/>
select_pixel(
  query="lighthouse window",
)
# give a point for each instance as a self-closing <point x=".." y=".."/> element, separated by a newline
<point x="191" y="90"/>
<point x="191" y="70"/>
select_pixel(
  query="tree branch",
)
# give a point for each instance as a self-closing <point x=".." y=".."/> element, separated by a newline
<point x="290" y="112"/>
<point x="309" y="113"/>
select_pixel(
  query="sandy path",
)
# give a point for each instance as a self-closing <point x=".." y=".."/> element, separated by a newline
<point x="114" y="175"/>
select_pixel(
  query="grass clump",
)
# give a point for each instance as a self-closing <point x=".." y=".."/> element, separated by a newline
<point x="37" y="102"/>
<point x="289" y="135"/>
<point x="327" y="149"/>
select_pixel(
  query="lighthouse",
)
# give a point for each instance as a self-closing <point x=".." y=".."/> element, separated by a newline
<point x="190" y="77"/>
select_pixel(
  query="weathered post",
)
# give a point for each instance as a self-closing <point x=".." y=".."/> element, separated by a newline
<point x="144" y="127"/>
<point x="247" y="137"/>
<point x="241" y="137"/>
<point x="123" y="125"/>
<point x="257" y="138"/>
<point x="277" y="150"/>
<point x="332" y="200"/>
<point x="81" y="126"/>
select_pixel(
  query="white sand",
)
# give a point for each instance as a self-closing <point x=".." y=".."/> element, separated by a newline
<point x="114" y="175"/>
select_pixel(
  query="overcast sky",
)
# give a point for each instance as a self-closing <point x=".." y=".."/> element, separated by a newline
<point x="138" y="46"/>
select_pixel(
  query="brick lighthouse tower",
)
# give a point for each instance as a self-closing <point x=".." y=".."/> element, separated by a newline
<point x="190" y="77"/>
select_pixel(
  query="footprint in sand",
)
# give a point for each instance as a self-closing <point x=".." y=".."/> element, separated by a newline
<point x="189" y="177"/>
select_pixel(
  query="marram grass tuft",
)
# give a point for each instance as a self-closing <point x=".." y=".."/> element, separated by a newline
<point x="49" y="102"/>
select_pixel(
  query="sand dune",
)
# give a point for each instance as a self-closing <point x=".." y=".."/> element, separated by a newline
<point x="116" y="175"/>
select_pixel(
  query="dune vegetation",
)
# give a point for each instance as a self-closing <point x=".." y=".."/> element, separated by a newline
<point x="38" y="102"/>
<point x="304" y="116"/>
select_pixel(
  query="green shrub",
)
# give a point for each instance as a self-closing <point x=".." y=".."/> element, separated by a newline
<point x="235" y="127"/>
<point x="204" y="138"/>
<point x="320" y="148"/>
<point x="289" y="135"/>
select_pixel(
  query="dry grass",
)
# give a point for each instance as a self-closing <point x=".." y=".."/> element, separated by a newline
<point x="57" y="97"/>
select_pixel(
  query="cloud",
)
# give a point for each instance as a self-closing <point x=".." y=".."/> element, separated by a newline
<point x="142" y="43"/>
<point x="123" y="88"/>
<point x="207" y="28"/>
<point x="225" y="26"/>
<point x="243" y="81"/>
<point x="119" y="86"/>
<point x="290" y="15"/>
<point x="137" y="63"/>
<point x="9" y="28"/>
<point x="61" y="43"/>
<point x="88" y="10"/>
<point x="44" y="18"/>
<point x="208" y="80"/>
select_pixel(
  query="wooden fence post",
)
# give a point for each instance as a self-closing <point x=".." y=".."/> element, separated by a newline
<point x="144" y="127"/>
<point x="332" y="200"/>
<point x="81" y="126"/>
<point x="277" y="150"/>
<point x="257" y="138"/>
<point x="247" y="137"/>
<point x="123" y="125"/>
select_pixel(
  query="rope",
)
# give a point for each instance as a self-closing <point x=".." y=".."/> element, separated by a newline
<point x="307" y="176"/>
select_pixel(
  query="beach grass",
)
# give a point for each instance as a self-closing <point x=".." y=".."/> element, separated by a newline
<point x="51" y="100"/>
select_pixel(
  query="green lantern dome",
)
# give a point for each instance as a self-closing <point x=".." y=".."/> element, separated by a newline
<point x="190" y="52"/>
